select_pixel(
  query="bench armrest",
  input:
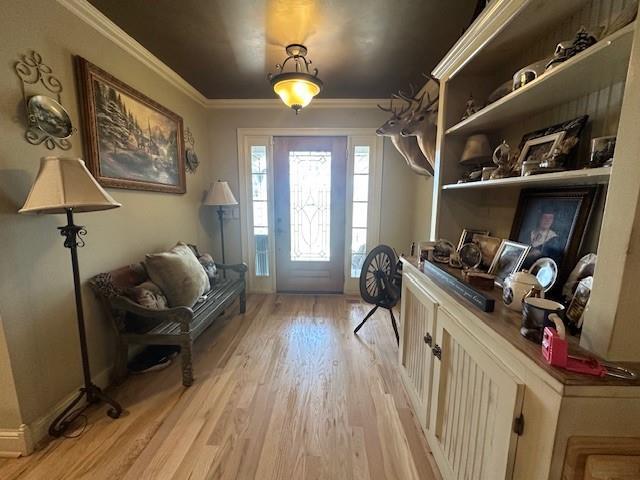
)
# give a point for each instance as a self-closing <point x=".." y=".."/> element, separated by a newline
<point x="241" y="268"/>
<point x="182" y="315"/>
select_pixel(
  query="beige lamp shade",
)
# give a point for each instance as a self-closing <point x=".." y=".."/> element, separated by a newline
<point x="477" y="150"/>
<point x="66" y="183"/>
<point x="220" y="194"/>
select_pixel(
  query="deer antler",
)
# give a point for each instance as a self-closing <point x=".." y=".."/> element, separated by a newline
<point x="390" y="109"/>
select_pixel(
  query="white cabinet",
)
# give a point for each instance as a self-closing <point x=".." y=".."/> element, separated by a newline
<point x="475" y="403"/>
<point x="468" y="390"/>
<point x="417" y="331"/>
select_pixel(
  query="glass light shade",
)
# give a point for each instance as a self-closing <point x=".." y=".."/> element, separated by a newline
<point x="66" y="183"/>
<point x="296" y="90"/>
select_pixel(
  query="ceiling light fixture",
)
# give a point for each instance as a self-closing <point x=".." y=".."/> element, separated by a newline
<point x="297" y="88"/>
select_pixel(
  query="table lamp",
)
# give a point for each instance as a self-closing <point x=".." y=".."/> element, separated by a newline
<point x="220" y="195"/>
<point x="65" y="186"/>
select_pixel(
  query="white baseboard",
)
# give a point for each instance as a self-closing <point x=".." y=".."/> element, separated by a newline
<point x="39" y="428"/>
<point x="16" y="442"/>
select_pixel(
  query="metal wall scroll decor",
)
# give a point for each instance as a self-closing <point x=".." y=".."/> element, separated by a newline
<point x="48" y="122"/>
<point x="191" y="157"/>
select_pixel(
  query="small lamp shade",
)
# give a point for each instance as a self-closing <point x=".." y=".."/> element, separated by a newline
<point x="66" y="183"/>
<point x="477" y="151"/>
<point x="220" y="194"/>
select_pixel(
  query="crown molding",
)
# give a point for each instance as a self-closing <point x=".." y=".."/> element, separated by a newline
<point x="232" y="103"/>
<point x="98" y="21"/>
<point x="489" y="24"/>
<point x="101" y="23"/>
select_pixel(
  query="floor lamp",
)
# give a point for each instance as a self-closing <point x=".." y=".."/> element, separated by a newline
<point x="220" y="195"/>
<point x="65" y="186"/>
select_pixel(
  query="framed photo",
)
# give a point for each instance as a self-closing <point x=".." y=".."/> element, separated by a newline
<point x="130" y="140"/>
<point x="553" y="223"/>
<point x="488" y="247"/>
<point x="508" y="259"/>
<point x="467" y="236"/>
<point x="537" y="148"/>
<point x="572" y="130"/>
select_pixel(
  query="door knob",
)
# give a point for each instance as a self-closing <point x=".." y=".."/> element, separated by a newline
<point x="428" y="339"/>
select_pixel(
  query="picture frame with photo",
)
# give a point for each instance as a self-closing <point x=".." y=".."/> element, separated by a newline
<point x="553" y="222"/>
<point x="488" y="247"/>
<point x="537" y="149"/>
<point x="467" y="236"/>
<point x="568" y="146"/>
<point x="509" y="259"/>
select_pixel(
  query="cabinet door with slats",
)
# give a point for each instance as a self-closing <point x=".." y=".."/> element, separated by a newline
<point x="416" y="339"/>
<point x="476" y="400"/>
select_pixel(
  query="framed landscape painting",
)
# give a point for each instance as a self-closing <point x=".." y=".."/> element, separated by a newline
<point x="130" y="140"/>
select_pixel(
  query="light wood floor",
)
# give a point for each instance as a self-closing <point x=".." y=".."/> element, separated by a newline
<point x="284" y="392"/>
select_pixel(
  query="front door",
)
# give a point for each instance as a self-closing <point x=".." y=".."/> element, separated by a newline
<point x="310" y="179"/>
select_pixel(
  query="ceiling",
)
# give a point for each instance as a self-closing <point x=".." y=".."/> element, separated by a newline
<point x="362" y="48"/>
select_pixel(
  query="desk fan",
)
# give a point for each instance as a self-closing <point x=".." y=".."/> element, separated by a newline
<point x="380" y="282"/>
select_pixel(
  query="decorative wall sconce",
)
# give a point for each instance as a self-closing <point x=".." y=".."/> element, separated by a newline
<point x="47" y="120"/>
<point x="191" y="158"/>
<point x="297" y="88"/>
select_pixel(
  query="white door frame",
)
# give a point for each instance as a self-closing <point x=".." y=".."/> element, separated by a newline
<point x="264" y="136"/>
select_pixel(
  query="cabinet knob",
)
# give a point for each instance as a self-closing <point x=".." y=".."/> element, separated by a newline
<point x="428" y="339"/>
<point x="437" y="352"/>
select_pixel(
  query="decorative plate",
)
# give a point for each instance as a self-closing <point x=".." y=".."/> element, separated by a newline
<point x="192" y="160"/>
<point x="49" y="116"/>
<point x="546" y="271"/>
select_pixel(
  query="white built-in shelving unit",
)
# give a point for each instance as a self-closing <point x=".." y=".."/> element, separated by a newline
<point x="471" y="377"/>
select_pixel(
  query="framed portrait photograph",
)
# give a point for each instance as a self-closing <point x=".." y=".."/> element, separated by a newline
<point x="467" y="236"/>
<point x="537" y="148"/>
<point x="553" y="223"/>
<point x="130" y="140"/>
<point x="509" y="258"/>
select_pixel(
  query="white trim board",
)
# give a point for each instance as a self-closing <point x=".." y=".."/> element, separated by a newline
<point x="15" y="442"/>
<point x="102" y="24"/>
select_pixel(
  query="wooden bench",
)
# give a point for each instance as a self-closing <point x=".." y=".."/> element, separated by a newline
<point x="135" y="324"/>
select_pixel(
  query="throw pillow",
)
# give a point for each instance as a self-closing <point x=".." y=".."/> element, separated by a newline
<point x="179" y="275"/>
<point x="209" y="266"/>
<point x="148" y="295"/>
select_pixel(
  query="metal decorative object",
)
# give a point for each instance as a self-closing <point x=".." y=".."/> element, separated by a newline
<point x="380" y="283"/>
<point x="191" y="157"/>
<point x="48" y="121"/>
<point x="73" y="239"/>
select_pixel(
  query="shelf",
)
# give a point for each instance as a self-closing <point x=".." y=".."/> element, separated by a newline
<point x="572" y="79"/>
<point x="590" y="176"/>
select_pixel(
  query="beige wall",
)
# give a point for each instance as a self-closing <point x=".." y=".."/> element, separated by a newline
<point x="38" y="340"/>
<point x="36" y="294"/>
<point x="9" y="406"/>
<point x="398" y="184"/>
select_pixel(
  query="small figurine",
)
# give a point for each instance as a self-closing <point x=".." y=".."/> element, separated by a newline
<point x="505" y="161"/>
<point x="565" y="50"/>
<point x="471" y="109"/>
